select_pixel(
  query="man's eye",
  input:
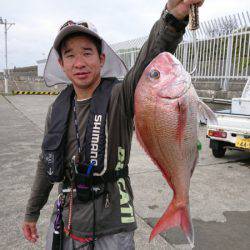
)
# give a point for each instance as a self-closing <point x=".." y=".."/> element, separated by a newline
<point x="69" y="56"/>
<point x="87" y="53"/>
<point x="154" y="74"/>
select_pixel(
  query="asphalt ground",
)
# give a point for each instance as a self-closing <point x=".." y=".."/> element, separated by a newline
<point x="219" y="193"/>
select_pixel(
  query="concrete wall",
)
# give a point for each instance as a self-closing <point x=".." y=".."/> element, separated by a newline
<point x="213" y="89"/>
<point x="26" y="85"/>
<point x="30" y="71"/>
<point x="205" y="88"/>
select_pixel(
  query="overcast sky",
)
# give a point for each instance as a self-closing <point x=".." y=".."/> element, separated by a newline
<point x="37" y="22"/>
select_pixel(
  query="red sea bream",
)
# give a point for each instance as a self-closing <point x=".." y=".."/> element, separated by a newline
<point x="166" y="110"/>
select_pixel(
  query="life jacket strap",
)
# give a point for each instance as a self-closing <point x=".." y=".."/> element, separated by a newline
<point x="111" y="176"/>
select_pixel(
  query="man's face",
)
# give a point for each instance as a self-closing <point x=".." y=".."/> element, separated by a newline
<point x="81" y="62"/>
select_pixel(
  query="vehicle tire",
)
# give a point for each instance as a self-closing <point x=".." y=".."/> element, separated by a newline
<point x="219" y="152"/>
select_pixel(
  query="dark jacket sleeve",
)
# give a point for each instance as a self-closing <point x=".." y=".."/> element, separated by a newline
<point x="163" y="37"/>
<point x="41" y="187"/>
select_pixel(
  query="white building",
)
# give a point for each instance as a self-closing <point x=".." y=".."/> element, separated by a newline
<point x="40" y="67"/>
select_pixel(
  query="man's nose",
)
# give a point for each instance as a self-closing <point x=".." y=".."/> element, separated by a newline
<point x="79" y="62"/>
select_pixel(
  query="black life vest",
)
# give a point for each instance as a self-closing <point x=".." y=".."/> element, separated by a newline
<point x="54" y="142"/>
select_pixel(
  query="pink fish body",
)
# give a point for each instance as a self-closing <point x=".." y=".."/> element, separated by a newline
<point x="166" y="107"/>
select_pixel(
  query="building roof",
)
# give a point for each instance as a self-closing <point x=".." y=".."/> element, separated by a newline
<point x="131" y="44"/>
<point x="41" y="61"/>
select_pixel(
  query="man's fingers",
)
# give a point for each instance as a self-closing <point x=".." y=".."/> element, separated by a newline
<point x="172" y="4"/>
<point x="34" y="235"/>
<point x="26" y="232"/>
<point x="30" y="232"/>
<point x="198" y="2"/>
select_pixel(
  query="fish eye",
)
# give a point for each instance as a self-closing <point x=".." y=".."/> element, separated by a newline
<point x="154" y="73"/>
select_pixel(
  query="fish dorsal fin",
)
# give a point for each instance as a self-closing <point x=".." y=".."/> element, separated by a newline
<point x="205" y="114"/>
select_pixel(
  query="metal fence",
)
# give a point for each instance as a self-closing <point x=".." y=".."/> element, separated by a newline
<point x="222" y="45"/>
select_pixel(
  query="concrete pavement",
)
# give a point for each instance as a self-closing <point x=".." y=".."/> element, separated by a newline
<point x="219" y="194"/>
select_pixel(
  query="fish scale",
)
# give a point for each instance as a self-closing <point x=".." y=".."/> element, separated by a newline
<point x="177" y="155"/>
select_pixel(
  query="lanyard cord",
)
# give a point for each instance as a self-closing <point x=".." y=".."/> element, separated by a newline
<point x="71" y="188"/>
<point x="92" y="244"/>
<point x="79" y="148"/>
<point x="76" y="127"/>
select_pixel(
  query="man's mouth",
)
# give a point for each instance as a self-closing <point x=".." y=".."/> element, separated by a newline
<point x="82" y="74"/>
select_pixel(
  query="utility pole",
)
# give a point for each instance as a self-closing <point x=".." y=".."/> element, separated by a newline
<point x="6" y="73"/>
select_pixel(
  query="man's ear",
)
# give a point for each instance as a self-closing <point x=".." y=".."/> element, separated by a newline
<point x="60" y="61"/>
<point x="102" y="59"/>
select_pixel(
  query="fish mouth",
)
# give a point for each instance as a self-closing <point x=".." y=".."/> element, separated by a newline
<point x="175" y="91"/>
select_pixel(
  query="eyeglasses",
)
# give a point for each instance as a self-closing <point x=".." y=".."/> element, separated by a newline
<point x="70" y="22"/>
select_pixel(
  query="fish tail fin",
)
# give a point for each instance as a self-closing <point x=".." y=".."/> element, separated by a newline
<point x="175" y="216"/>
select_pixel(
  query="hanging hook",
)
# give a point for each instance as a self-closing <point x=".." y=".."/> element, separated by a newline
<point x="193" y="26"/>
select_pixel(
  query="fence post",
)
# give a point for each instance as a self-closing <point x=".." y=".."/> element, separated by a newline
<point x="185" y="55"/>
<point x="228" y="62"/>
<point x="132" y="59"/>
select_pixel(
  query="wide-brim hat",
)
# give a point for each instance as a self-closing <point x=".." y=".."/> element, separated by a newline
<point x="53" y="73"/>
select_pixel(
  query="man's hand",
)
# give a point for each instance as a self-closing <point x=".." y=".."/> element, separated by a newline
<point x="180" y="8"/>
<point x="30" y="231"/>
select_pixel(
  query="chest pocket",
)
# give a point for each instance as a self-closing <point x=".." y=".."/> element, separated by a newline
<point x="53" y="152"/>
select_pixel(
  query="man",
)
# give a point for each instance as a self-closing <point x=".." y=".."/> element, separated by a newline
<point x="96" y="199"/>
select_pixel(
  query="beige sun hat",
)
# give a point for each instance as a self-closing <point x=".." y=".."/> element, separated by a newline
<point x="53" y="73"/>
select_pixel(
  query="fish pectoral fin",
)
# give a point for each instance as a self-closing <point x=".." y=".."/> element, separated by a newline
<point x="175" y="216"/>
<point x="205" y="114"/>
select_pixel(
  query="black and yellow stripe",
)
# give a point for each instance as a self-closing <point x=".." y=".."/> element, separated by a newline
<point x="35" y="92"/>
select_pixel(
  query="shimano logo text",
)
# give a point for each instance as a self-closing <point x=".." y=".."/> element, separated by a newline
<point x="95" y="139"/>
